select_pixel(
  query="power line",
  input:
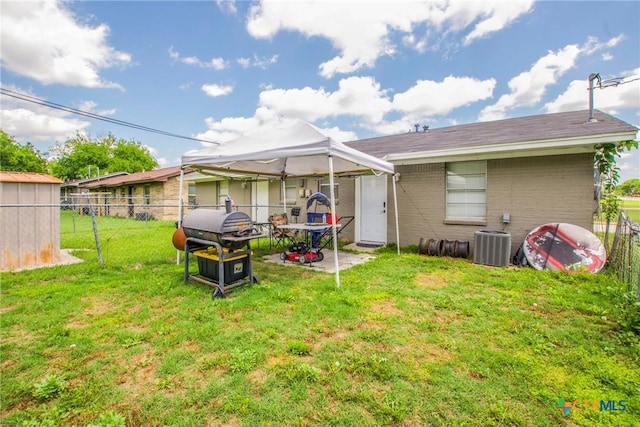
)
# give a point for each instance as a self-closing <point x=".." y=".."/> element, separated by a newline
<point x="39" y="101"/>
<point x="616" y="81"/>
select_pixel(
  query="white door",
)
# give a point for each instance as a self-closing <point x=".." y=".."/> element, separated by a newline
<point x="373" y="209"/>
<point x="260" y="201"/>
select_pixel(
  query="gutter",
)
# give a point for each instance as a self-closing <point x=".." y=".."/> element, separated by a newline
<point x="550" y="147"/>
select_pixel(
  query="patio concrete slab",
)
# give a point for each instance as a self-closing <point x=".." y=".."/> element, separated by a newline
<point x="345" y="260"/>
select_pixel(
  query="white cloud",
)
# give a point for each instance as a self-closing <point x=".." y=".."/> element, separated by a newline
<point x="90" y="107"/>
<point x="529" y="87"/>
<point x="44" y="41"/>
<point x="494" y="16"/>
<point x="34" y="123"/>
<point x="427" y="97"/>
<point x="215" y="90"/>
<point x="214" y="63"/>
<point x="356" y="96"/>
<point x="227" y="129"/>
<point x="227" y="6"/>
<point x="360" y="98"/>
<point x="362" y="31"/>
<point x="257" y="62"/>
<point x="610" y="99"/>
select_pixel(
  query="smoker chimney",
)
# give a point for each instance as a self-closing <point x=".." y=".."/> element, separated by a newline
<point x="416" y="126"/>
<point x="425" y="128"/>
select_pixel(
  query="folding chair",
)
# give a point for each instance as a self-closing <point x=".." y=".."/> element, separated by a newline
<point x="324" y="237"/>
<point x="295" y="212"/>
<point x="280" y="236"/>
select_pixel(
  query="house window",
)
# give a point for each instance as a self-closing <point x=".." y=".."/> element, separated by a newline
<point x="325" y="188"/>
<point x="147" y="194"/>
<point x="467" y="191"/>
<point x="191" y="191"/>
<point x="290" y="191"/>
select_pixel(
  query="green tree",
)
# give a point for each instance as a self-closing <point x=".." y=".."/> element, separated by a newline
<point x="20" y="158"/>
<point x="605" y="162"/>
<point x="131" y="157"/>
<point x="81" y="157"/>
<point x="629" y="188"/>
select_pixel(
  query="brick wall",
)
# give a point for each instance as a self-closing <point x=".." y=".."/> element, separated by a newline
<point x="533" y="190"/>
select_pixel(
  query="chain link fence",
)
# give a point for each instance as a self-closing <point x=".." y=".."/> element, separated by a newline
<point x="99" y="226"/>
<point x="622" y="241"/>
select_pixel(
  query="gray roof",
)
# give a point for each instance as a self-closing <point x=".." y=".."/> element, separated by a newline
<point x="556" y="126"/>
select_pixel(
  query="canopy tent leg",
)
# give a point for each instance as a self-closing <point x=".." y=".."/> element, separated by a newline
<point x="180" y="209"/>
<point x="334" y="229"/>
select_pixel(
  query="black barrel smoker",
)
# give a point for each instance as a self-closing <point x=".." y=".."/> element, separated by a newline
<point x="221" y="240"/>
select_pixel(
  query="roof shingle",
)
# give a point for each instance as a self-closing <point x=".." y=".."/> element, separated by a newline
<point x="573" y="124"/>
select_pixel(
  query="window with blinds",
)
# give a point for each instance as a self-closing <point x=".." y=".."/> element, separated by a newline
<point x="467" y="190"/>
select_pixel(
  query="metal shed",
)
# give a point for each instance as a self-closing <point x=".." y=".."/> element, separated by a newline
<point x="29" y="220"/>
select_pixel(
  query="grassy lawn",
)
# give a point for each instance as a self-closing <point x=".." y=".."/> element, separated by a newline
<point x="631" y="208"/>
<point x="409" y="340"/>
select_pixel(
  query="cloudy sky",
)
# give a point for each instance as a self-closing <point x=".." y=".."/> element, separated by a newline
<point x="212" y="70"/>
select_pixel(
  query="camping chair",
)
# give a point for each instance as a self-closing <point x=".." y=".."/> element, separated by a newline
<point x="280" y="236"/>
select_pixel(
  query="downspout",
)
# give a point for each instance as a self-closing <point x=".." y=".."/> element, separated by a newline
<point x="395" y="208"/>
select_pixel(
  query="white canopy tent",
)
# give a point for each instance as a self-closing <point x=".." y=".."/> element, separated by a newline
<point x="294" y="150"/>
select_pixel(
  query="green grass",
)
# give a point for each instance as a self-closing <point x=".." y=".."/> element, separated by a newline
<point x="405" y="340"/>
<point x="631" y="208"/>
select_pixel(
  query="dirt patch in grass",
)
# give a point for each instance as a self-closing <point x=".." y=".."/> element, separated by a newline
<point x="229" y="422"/>
<point x="3" y="310"/>
<point x="97" y="306"/>
<point x="257" y="377"/>
<point x="140" y="375"/>
<point x="435" y="279"/>
<point x="75" y="323"/>
<point x="16" y="335"/>
<point x="386" y="308"/>
<point x="276" y="360"/>
<point x="428" y="352"/>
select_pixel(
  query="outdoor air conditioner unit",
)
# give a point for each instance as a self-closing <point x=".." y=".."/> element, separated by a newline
<point x="492" y="248"/>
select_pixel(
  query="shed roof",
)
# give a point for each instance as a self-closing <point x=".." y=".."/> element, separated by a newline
<point x="546" y="131"/>
<point x="156" y="175"/>
<point x="28" y="177"/>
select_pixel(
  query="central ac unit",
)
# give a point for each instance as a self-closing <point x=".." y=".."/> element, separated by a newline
<point x="492" y="248"/>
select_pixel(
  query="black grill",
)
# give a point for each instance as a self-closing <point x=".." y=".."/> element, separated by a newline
<point x="229" y="229"/>
<point x="228" y="235"/>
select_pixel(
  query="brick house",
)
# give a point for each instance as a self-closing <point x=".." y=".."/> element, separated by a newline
<point x="143" y="195"/>
<point x="506" y="175"/>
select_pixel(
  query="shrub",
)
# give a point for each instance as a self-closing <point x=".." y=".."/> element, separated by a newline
<point x="299" y="348"/>
<point x="51" y="386"/>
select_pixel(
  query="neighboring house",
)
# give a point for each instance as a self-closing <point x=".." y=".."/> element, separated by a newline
<point x="507" y="175"/>
<point x="71" y="192"/>
<point x="29" y="220"/>
<point x="143" y="195"/>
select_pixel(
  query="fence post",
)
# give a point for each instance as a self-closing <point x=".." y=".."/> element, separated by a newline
<point x="95" y="234"/>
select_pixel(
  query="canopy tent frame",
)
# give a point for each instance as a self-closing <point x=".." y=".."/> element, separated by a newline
<point x="292" y="150"/>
